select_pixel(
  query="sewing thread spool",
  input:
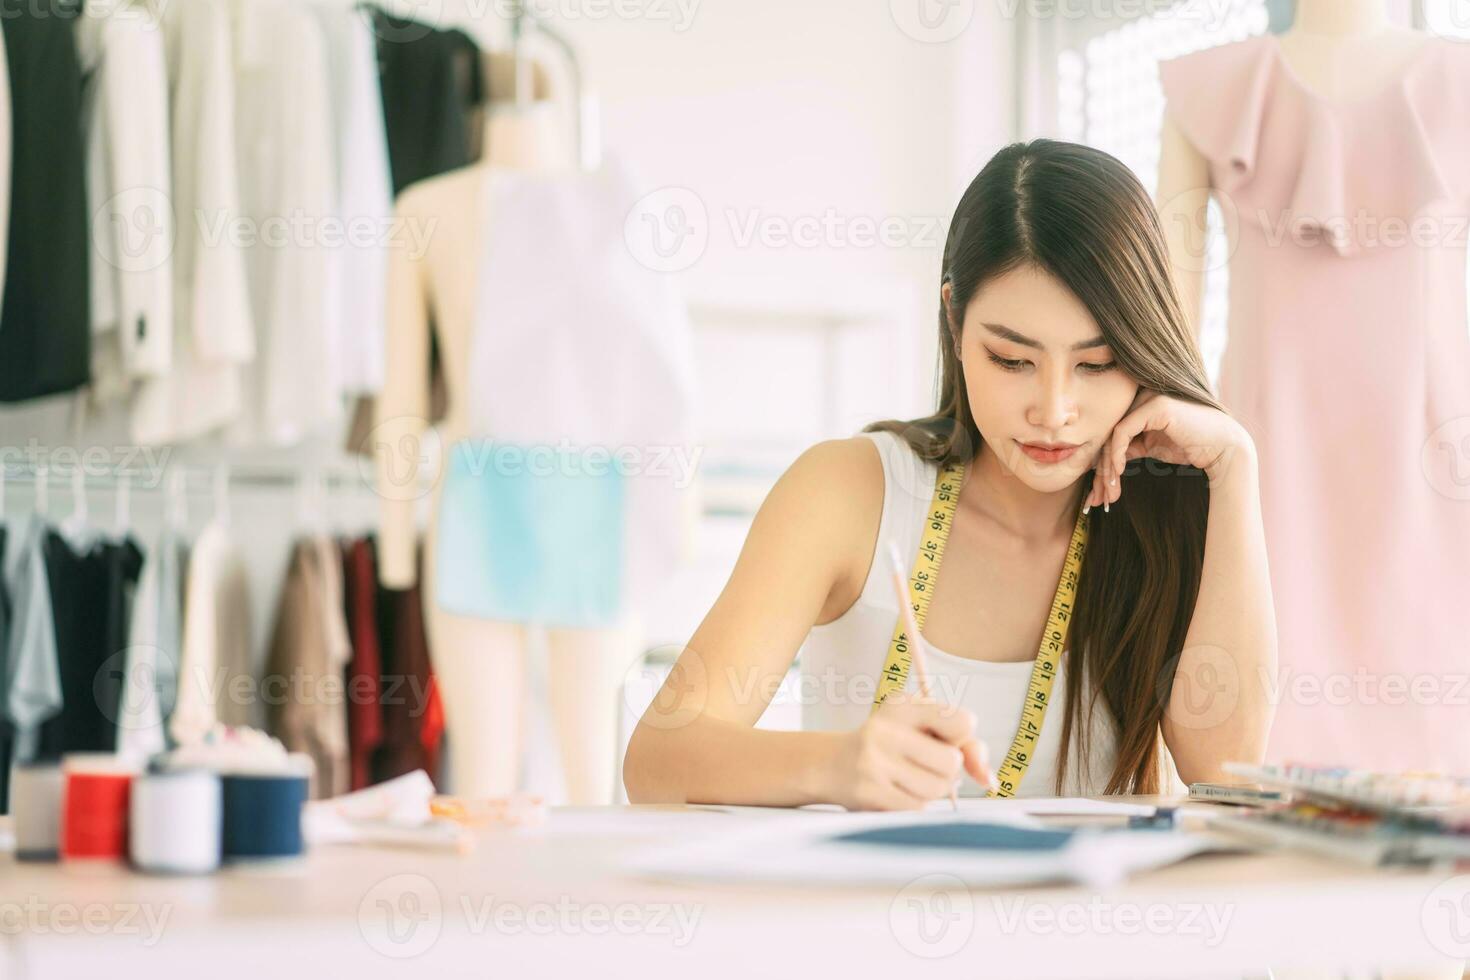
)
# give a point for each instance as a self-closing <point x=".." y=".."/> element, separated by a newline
<point x="35" y="808"/>
<point x="94" y="805"/>
<point x="175" y="821"/>
<point x="262" y="812"/>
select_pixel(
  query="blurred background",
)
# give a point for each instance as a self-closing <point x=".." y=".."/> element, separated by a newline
<point x="795" y="166"/>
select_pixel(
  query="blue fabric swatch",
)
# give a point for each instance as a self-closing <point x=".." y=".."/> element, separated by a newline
<point x="531" y="538"/>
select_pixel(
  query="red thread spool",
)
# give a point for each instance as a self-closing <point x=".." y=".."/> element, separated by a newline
<point x="94" y="807"/>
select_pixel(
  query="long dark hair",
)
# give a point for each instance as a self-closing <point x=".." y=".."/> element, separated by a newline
<point x="1082" y="216"/>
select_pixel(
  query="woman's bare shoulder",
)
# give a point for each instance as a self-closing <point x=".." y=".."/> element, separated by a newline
<point x="843" y="474"/>
<point x="837" y="483"/>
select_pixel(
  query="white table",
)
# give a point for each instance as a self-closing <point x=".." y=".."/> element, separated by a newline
<point x="550" y="903"/>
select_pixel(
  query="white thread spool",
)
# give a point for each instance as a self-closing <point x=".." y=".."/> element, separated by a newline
<point x="174" y="821"/>
<point x="35" y="807"/>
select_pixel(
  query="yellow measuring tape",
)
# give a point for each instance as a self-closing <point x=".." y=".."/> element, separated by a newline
<point x="1053" y="640"/>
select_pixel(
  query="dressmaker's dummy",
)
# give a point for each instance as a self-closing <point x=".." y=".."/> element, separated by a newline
<point x="481" y="664"/>
<point x="498" y="69"/>
<point x="1347" y="356"/>
<point x="1340" y="157"/>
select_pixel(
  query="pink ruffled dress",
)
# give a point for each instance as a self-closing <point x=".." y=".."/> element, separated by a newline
<point x="1348" y="360"/>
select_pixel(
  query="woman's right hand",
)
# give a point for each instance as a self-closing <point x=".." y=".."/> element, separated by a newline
<point x="908" y="753"/>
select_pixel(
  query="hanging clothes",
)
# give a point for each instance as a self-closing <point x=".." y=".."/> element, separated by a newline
<point x="125" y="119"/>
<point x="364" y="193"/>
<point x="431" y="727"/>
<point x="151" y="668"/>
<point x="432" y="80"/>
<point x="568" y="502"/>
<point x="364" y="672"/>
<point x="309" y="652"/>
<point x="1347" y="362"/>
<point x="213" y="339"/>
<point x="283" y="135"/>
<point x="32" y="681"/>
<point x="92" y="581"/>
<point x="7" y="730"/>
<point x="6" y="149"/>
<point x="45" y="335"/>
<point x="434" y="86"/>
<point x="413" y="722"/>
<point x="214" y="656"/>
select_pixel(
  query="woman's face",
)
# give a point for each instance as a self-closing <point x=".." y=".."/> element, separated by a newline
<point x="1039" y="372"/>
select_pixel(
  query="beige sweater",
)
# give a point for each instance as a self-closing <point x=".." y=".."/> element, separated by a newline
<point x="303" y="685"/>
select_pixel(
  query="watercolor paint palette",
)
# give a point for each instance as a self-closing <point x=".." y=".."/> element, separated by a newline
<point x="1371" y="817"/>
<point x="1379" y="792"/>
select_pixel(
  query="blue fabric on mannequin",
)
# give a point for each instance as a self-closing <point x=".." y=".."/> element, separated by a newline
<point x="530" y="542"/>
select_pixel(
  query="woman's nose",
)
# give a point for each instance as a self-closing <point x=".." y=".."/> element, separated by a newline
<point x="1055" y="406"/>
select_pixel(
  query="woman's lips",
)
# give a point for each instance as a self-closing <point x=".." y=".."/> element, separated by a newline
<point x="1047" y="455"/>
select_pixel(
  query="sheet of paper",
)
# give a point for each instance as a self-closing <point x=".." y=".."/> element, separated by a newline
<point x="656" y="821"/>
<point x="980" y="806"/>
<point x="803" y="848"/>
<point x="1046" y="806"/>
<point x="771" y="810"/>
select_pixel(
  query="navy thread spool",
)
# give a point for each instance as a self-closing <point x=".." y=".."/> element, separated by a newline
<point x="262" y="814"/>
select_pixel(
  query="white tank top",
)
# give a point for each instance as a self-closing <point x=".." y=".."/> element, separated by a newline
<point x="840" y="661"/>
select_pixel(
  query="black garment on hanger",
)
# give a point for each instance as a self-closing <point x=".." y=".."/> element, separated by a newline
<point x="431" y="81"/>
<point x="91" y="597"/>
<point x="7" y="736"/>
<point x="45" y="328"/>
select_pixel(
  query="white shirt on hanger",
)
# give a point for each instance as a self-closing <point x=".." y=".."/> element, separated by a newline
<point x="288" y="194"/>
<point x="364" y="193"/>
<point x="214" y="656"/>
<point x="213" y="337"/>
<point x="151" y="664"/>
<point x="125" y="128"/>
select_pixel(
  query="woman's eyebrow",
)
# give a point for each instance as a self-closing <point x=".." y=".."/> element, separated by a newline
<point x="1006" y="333"/>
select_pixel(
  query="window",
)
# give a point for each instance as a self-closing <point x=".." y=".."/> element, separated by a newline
<point x="1108" y="96"/>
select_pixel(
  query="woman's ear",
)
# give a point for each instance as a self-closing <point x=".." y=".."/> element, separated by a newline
<point x="944" y="294"/>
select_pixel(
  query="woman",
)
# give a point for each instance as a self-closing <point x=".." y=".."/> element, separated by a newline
<point x="1105" y="503"/>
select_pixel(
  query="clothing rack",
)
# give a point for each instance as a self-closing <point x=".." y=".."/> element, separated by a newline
<point x="311" y="486"/>
<point x="187" y="477"/>
<point x="520" y="19"/>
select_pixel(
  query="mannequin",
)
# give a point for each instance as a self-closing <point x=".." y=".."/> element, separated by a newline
<point x="481" y="664"/>
<point x="1337" y="48"/>
<point x="1332" y="150"/>
<point x="1339" y="52"/>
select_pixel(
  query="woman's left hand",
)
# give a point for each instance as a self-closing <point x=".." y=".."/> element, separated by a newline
<point x="1170" y="430"/>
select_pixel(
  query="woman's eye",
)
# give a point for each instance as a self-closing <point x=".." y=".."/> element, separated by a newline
<point x="1086" y="367"/>
<point x="1005" y="364"/>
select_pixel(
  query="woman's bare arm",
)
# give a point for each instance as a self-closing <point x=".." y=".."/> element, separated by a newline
<point x="697" y="742"/>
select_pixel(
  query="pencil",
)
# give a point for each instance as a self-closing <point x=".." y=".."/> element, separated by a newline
<point x="916" y="642"/>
